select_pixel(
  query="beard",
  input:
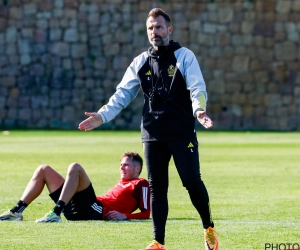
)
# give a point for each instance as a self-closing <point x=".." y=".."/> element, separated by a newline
<point x="161" y="40"/>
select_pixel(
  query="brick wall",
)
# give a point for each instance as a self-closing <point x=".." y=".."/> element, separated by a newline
<point x="60" y="58"/>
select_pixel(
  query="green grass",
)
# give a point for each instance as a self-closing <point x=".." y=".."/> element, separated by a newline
<point x="252" y="179"/>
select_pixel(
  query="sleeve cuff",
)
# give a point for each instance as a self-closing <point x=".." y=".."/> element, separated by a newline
<point x="104" y="120"/>
<point x="198" y="109"/>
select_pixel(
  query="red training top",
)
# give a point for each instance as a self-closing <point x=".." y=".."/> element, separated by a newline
<point x="127" y="196"/>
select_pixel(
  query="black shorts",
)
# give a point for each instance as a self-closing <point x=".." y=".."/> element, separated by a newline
<point x="82" y="206"/>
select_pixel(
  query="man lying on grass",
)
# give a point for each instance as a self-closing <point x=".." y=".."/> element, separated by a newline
<point x="76" y="199"/>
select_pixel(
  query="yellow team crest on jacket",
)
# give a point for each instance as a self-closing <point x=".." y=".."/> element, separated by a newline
<point x="171" y="70"/>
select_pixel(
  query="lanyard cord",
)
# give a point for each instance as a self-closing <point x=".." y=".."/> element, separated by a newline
<point x="152" y="91"/>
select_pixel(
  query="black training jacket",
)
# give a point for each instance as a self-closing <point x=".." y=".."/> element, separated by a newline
<point x="173" y="87"/>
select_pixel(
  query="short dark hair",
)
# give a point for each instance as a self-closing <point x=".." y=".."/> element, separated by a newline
<point x="159" y="12"/>
<point x="134" y="157"/>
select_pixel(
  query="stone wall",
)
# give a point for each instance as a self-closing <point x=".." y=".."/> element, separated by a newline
<point x="60" y="58"/>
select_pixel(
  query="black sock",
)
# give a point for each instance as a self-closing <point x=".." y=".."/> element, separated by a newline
<point x="19" y="208"/>
<point x="59" y="207"/>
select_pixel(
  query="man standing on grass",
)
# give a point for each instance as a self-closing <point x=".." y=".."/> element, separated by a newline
<point x="76" y="199"/>
<point x="174" y="95"/>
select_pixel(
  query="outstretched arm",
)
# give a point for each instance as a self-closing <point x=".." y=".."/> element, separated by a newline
<point x="125" y="93"/>
<point x="90" y="123"/>
<point x="196" y="85"/>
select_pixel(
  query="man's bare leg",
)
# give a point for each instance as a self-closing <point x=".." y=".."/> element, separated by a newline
<point x="76" y="181"/>
<point x="44" y="174"/>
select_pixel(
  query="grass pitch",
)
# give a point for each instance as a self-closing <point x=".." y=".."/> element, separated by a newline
<point x="252" y="180"/>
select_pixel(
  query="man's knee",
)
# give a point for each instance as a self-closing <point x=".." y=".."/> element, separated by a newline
<point x="75" y="168"/>
<point x="42" y="169"/>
